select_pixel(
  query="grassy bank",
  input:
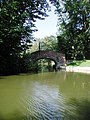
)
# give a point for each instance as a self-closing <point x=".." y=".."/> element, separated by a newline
<point x="80" y="63"/>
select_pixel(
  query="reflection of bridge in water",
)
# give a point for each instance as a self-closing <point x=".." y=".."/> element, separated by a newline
<point x="58" y="58"/>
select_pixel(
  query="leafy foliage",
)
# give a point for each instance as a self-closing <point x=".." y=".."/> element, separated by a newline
<point x="74" y="28"/>
<point x="49" y="43"/>
<point x="16" y="28"/>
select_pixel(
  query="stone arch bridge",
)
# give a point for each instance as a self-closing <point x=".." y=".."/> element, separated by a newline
<point x="58" y="58"/>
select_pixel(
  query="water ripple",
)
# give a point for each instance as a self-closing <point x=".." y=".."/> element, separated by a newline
<point x="43" y="105"/>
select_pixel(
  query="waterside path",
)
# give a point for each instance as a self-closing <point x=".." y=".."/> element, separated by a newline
<point x="78" y="69"/>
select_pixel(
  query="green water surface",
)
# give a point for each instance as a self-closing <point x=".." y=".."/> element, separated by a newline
<point x="45" y="96"/>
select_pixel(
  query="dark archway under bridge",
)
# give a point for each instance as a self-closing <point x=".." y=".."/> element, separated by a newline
<point x="57" y="57"/>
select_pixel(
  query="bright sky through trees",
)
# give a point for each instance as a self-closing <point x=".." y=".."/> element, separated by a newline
<point x="48" y="26"/>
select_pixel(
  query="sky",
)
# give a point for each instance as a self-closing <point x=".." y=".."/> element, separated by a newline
<point x="48" y="26"/>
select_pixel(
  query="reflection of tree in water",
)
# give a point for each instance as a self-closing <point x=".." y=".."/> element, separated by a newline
<point x="78" y="110"/>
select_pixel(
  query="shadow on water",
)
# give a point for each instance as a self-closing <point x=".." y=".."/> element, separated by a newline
<point x="75" y="110"/>
<point x="17" y="116"/>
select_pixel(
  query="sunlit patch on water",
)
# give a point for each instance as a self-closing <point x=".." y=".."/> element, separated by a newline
<point x="46" y="103"/>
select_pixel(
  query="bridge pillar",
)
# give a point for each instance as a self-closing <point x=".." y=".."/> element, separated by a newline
<point x="61" y="65"/>
<point x="58" y="67"/>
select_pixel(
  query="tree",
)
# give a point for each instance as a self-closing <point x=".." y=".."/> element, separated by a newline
<point x="74" y="26"/>
<point x="16" y="28"/>
<point x="49" y="43"/>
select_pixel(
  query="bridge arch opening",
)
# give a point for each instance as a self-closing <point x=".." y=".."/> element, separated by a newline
<point x="45" y="64"/>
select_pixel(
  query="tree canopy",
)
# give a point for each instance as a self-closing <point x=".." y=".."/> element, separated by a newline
<point x="74" y="27"/>
<point x="49" y="43"/>
<point x="17" y="18"/>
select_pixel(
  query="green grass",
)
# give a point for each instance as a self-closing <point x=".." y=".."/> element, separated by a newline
<point x="81" y="63"/>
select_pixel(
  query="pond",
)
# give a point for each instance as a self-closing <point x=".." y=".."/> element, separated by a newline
<point x="45" y="96"/>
